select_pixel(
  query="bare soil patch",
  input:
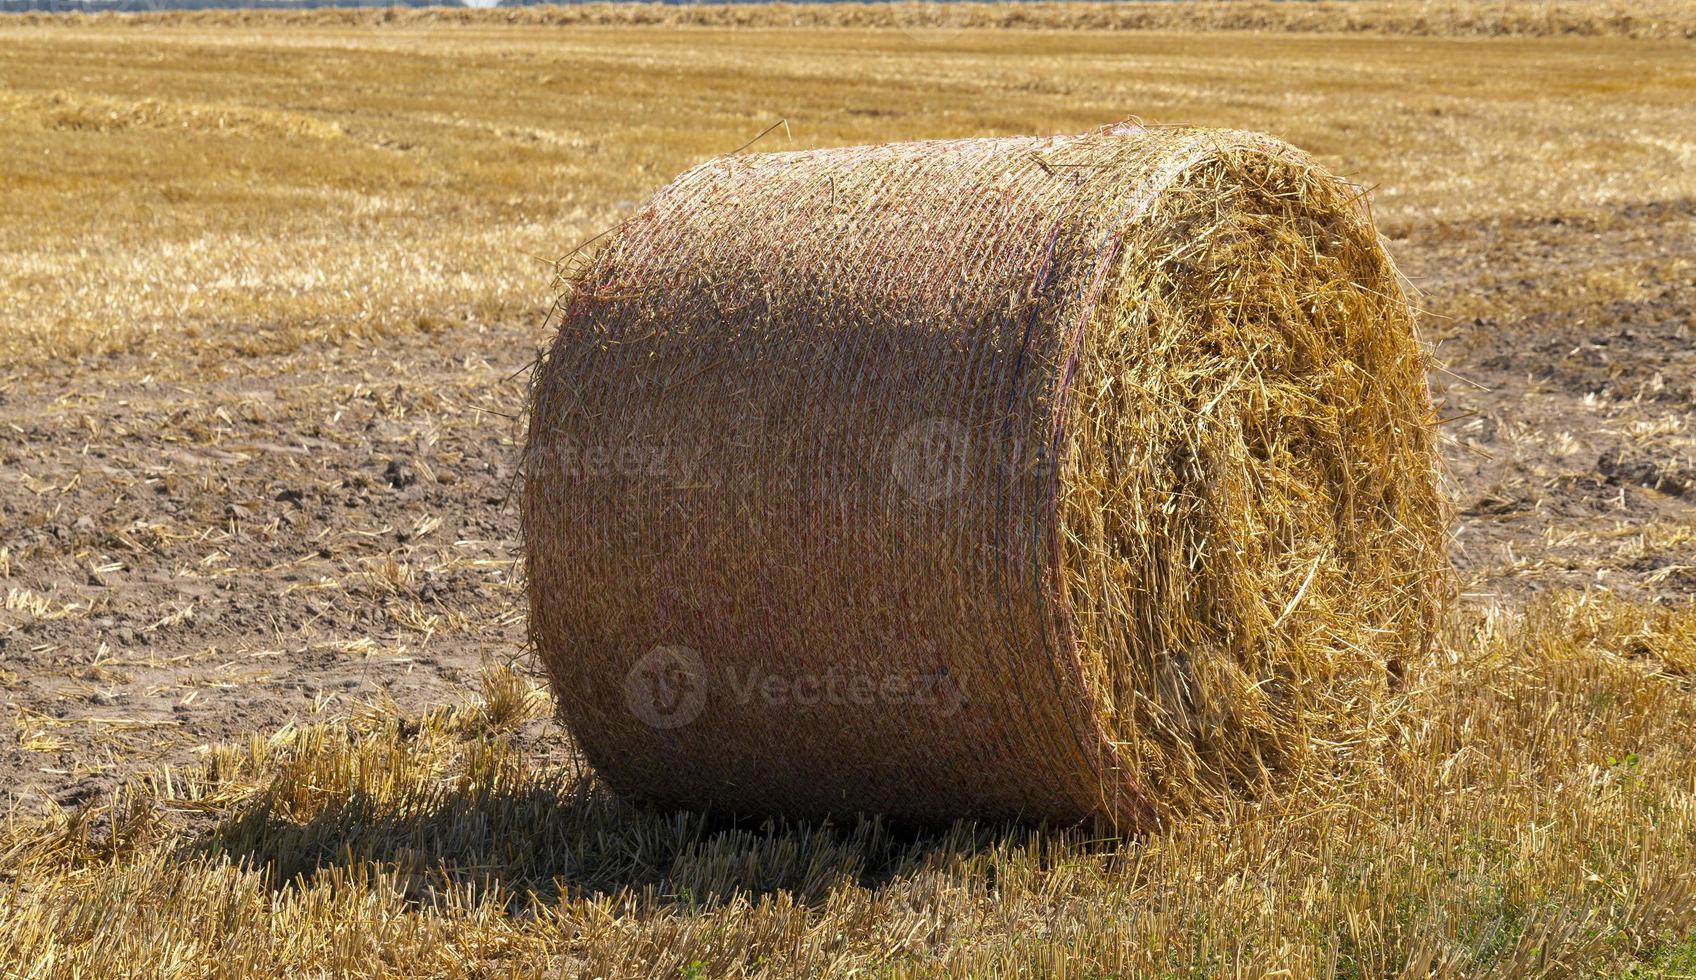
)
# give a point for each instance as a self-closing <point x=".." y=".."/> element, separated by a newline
<point x="188" y="561"/>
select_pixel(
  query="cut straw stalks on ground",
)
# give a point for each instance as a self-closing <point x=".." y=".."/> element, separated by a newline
<point x="1531" y="813"/>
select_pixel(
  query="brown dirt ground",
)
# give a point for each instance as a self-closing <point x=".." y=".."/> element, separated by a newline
<point x="199" y="549"/>
<point x="224" y="556"/>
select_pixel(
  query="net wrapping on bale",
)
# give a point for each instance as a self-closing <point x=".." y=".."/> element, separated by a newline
<point x="1043" y="478"/>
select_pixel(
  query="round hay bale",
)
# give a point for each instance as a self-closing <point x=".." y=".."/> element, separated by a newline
<point x="1055" y="479"/>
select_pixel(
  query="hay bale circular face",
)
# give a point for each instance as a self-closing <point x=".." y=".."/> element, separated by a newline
<point x="1059" y="479"/>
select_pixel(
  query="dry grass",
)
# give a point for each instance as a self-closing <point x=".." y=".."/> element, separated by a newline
<point x="1533" y="814"/>
<point x="1666" y="19"/>
<point x="448" y="166"/>
<point x="260" y="295"/>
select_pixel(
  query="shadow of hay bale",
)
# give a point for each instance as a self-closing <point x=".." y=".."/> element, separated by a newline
<point x="570" y="837"/>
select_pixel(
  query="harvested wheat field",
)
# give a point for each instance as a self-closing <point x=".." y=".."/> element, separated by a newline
<point x="272" y="288"/>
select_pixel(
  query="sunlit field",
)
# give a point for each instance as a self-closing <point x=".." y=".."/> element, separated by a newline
<point x="270" y="286"/>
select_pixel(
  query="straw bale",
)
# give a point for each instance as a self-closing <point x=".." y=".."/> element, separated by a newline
<point x="1072" y="478"/>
